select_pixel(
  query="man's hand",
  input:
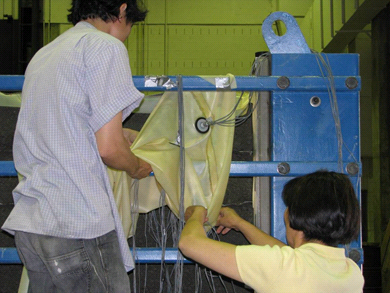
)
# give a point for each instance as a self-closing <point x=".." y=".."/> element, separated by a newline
<point x="196" y="212"/>
<point x="130" y="135"/>
<point x="228" y="219"/>
<point x="142" y="171"/>
<point x="113" y="142"/>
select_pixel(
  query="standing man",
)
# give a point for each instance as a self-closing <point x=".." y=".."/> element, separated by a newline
<point x="77" y="91"/>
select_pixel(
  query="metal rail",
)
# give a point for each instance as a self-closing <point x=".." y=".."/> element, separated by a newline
<point x="244" y="83"/>
<point x="8" y="255"/>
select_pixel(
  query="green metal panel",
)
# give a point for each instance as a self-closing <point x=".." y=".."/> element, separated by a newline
<point x="207" y="49"/>
<point x="155" y="50"/>
<point x="64" y="27"/>
<point x="337" y="16"/>
<point x="9" y="7"/>
<point x="46" y="11"/>
<point x="218" y="12"/>
<point x="306" y="25"/>
<point x="350" y="8"/>
<point x="58" y="10"/>
<point x="314" y="19"/>
<point x="135" y="44"/>
<point x="199" y="37"/>
<point x="297" y="8"/>
<point x="156" y="14"/>
<point x="327" y="37"/>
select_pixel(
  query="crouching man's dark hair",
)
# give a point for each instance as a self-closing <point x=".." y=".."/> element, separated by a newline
<point x="106" y="10"/>
<point x="324" y="206"/>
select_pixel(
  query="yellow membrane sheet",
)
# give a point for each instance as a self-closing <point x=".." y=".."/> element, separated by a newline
<point x="207" y="156"/>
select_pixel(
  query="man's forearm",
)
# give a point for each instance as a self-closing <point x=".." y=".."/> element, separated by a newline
<point x="114" y="149"/>
<point x="120" y="157"/>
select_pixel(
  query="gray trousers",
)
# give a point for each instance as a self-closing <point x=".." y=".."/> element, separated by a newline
<point x="72" y="265"/>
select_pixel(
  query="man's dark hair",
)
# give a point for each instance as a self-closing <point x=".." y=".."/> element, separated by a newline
<point x="324" y="206"/>
<point x="107" y="10"/>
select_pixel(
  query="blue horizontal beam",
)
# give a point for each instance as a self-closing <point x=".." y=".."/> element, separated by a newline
<point x="265" y="169"/>
<point x="145" y="255"/>
<point x="11" y="82"/>
<point x="197" y="83"/>
<point x="243" y="168"/>
<point x="7" y="168"/>
<point x="252" y="83"/>
<point x="148" y="255"/>
<point x="9" y="255"/>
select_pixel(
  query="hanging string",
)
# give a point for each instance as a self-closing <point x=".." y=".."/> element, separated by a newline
<point x="180" y="259"/>
<point x="134" y="208"/>
<point x="198" y="279"/>
<point x="163" y="243"/>
<point x="330" y="84"/>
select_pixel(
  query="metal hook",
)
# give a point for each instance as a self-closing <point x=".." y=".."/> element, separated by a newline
<point x="292" y="41"/>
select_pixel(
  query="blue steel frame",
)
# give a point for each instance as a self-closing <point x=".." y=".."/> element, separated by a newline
<point x="302" y="132"/>
<point x="303" y="137"/>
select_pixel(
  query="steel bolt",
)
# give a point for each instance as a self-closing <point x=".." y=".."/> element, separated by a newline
<point x="351" y="83"/>
<point x="283" y="82"/>
<point x="352" y="168"/>
<point x="355" y="255"/>
<point x="283" y="168"/>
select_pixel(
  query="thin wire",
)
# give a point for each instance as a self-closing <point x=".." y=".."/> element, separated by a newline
<point x="209" y="274"/>
<point x="231" y="119"/>
<point x="146" y="242"/>
<point x="198" y="279"/>
<point x="334" y="105"/>
<point x="180" y="259"/>
<point x="209" y="281"/>
<point x="163" y="240"/>
<point x="146" y="277"/>
<point x="238" y="203"/>
<point x="134" y="208"/>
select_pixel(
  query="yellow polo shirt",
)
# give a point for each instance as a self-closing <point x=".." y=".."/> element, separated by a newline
<point x="310" y="268"/>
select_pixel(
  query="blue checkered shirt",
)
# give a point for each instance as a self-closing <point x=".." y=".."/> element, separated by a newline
<point x="73" y="86"/>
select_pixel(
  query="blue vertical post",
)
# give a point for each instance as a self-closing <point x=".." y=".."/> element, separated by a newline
<point x="304" y="124"/>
